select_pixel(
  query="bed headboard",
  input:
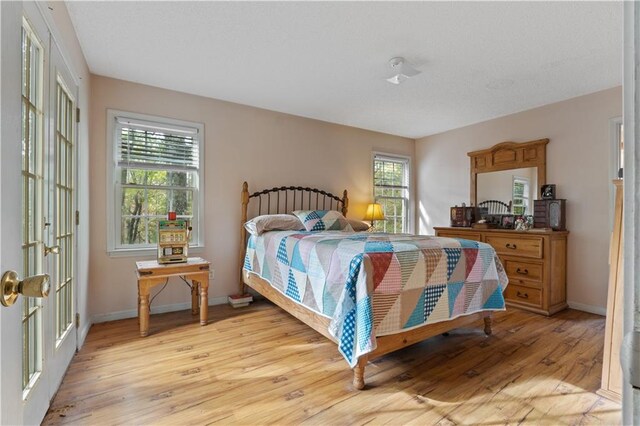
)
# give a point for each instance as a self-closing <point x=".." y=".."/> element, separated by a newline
<point x="285" y="199"/>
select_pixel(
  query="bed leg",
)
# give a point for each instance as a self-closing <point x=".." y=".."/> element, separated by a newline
<point x="358" y="373"/>
<point x="487" y="325"/>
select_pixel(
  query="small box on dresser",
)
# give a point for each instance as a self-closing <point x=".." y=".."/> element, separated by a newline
<point x="535" y="262"/>
<point x="549" y="214"/>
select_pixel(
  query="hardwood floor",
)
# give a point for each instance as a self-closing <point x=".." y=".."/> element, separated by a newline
<point x="259" y="365"/>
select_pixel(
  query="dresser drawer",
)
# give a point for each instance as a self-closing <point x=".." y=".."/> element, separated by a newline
<point x="517" y="245"/>
<point x="464" y="235"/>
<point x="526" y="295"/>
<point x="525" y="271"/>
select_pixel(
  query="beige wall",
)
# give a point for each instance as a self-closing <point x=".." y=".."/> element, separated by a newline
<point x="577" y="162"/>
<point x="241" y="143"/>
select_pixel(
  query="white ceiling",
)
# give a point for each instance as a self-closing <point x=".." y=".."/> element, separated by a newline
<point x="328" y="60"/>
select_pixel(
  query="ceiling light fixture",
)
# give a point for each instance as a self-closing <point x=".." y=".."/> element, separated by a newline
<point x="402" y="69"/>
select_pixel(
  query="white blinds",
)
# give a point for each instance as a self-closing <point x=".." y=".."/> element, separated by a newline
<point x="148" y="145"/>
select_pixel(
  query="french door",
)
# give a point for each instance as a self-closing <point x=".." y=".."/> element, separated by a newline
<point x="41" y="337"/>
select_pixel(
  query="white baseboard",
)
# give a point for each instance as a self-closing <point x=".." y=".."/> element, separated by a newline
<point x="132" y="313"/>
<point x="598" y="310"/>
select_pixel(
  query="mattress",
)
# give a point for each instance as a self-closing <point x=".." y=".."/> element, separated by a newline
<point x="375" y="284"/>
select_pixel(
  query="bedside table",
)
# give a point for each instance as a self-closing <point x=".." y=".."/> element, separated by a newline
<point x="151" y="273"/>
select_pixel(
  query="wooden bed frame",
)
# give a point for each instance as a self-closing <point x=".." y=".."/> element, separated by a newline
<point x="309" y="199"/>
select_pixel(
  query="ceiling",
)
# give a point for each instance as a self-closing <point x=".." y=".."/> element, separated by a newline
<point x="329" y="60"/>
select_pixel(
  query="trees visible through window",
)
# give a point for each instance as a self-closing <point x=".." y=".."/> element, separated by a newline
<point x="391" y="191"/>
<point x="157" y="169"/>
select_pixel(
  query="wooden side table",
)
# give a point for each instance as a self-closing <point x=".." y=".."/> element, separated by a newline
<point x="151" y="273"/>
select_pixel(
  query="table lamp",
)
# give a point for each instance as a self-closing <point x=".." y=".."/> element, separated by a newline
<point x="374" y="212"/>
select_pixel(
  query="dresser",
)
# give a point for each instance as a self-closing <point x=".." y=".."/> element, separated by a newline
<point x="535" y="262"/>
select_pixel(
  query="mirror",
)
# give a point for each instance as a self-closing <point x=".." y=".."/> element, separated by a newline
<point x="515" y="186"/>
<point x="510" y="173"/>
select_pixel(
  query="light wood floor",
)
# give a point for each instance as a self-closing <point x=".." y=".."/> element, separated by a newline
<point x="259" y="365"/>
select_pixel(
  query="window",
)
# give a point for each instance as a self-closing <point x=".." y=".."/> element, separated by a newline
<point x="32" y="193"/>
<point x="64" y="141"/>
<point x="156" y="167"/>
<point x="391" y="191"/>
<point x="521" y="196"/>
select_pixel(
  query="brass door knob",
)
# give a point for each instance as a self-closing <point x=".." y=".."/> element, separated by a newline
<point x="34" y="286"/>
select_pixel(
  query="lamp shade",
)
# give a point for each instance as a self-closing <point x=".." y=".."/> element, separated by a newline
<point x="374" y="212"/>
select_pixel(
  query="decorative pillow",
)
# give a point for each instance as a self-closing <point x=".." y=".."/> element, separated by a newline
<point x="323" y="220"/>
<point x="273" y="222"/>
<point x="359" y="225"/>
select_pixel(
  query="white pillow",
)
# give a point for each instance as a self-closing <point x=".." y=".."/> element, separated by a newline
<point x="273" y="222"/>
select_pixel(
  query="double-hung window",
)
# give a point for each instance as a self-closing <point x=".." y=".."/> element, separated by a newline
<point x="156" y="167"/>
<point x="391" y="190"/>
<point x="520" y="198"/>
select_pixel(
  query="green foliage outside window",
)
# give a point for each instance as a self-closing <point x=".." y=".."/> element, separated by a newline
<point x="147" y="196"/>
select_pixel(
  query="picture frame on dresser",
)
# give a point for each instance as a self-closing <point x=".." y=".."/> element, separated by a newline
<point x="507" y="221"/>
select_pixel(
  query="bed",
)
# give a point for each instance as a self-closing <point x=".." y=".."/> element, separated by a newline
<point x="370" y="293"/>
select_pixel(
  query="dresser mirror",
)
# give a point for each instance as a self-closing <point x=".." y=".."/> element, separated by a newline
<point x="506" y="177"/>
<point x="515" y="186"/>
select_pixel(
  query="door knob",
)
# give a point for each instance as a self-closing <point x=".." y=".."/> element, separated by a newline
<point x="51" y="250"/>
<point x="12" y="286"/>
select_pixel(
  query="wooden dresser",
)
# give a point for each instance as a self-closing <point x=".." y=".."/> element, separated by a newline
<point x="535" y="262"/>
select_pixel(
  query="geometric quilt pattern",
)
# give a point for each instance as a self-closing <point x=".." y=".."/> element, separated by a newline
<point x="373" y="284"/>
<point x="323" y="220"/>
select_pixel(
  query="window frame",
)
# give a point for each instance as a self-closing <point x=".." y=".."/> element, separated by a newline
<point x="526" y="195"/>
<point x="408" y="219"/>
<point x="114" y="187"/>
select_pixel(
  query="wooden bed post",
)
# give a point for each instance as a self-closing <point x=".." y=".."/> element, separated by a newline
<point x="243" y="232"/>
<point x="487" y="324"/>
<point x="345" y="203"/>
<point x="358" y="373"/>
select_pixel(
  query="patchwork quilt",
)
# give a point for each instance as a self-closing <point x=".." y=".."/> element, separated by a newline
<point x="373" y="284"/>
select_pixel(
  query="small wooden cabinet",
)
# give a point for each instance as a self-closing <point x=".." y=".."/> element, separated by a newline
<point x="535" y="262"/>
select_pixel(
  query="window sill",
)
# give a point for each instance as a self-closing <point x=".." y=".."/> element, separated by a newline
<point x="147" y="252"/>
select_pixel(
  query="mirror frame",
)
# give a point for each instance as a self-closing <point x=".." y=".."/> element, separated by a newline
<point x="507" y="156"/>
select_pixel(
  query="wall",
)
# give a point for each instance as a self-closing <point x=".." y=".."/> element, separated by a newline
<point x="265" y="148"/>
<point x="577" y="162"/>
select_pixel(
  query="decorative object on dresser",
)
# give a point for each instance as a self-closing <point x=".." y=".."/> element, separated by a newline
<point x="507" y="221"/>
<point x="548" y="192"/>
<point x="611" y="369"/>
<point x="549" y="214"/>
<point x="535" y="261"/>
<point x="463" y="216"/>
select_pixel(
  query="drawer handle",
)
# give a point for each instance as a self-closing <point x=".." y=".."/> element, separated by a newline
<point x="522" y="271"/>
<point x="522" y="295"/>
<point x="511" y="246"/>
